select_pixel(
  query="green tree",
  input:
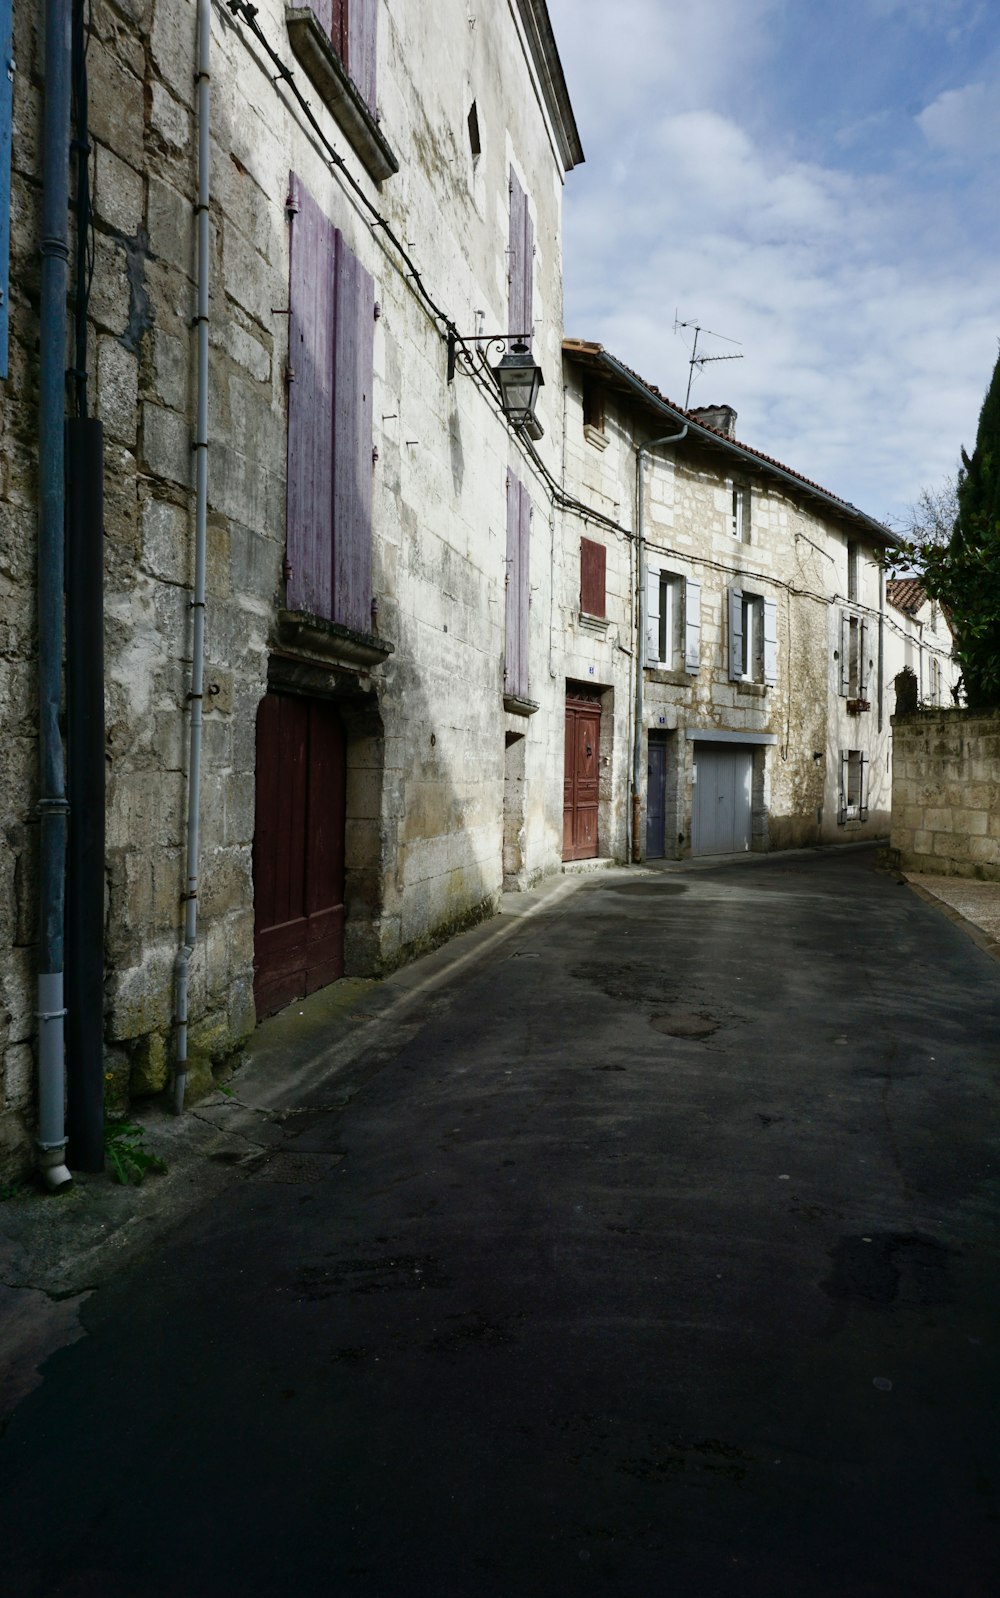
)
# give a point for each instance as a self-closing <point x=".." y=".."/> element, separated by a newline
<point x="964" y="573"/>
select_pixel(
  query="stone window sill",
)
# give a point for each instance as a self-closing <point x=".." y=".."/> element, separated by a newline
<point x="314" y="51"/>
<point x="671" y="678"/>
<point x="315" y="638"/>
<point x="594" y="624"/>
<point x="752" y="690"/>
<point x="595" y="436"/>
<point x="518" y="706"/>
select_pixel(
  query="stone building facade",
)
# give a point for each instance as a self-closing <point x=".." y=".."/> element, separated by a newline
<point x="381" y="723"/>
<point x="763" y="715"/>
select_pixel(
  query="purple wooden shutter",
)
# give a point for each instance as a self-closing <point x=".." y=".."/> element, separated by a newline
<point x="308" y="537"/>
<point x="517" y="313"/>
<point x="524" y="591"/>
<point x="323" y="10"/>
<point x="528" y="273"/>
<point x="352" y="443"/>
<point x="512" y="630"/>
<point x="593" y="568"/>
<point x="362" y="37"/>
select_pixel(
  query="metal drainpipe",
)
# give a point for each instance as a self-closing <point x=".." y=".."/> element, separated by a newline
<point x="881" y="646"/>
<point x="640" y="643"/>
<point x="204" y="25"/>
<point x="52" y="803"/>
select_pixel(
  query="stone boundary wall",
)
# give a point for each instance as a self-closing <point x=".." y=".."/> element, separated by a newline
<point x="946" y="793"/>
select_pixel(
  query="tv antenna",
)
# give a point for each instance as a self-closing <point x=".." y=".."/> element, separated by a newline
<point x="701" y="361"/>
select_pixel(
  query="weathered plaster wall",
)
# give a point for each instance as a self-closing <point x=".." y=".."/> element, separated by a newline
<point x="946" y="793"/>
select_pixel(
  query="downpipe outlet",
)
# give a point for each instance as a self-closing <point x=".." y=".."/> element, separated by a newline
<point x="53" y="1172"/>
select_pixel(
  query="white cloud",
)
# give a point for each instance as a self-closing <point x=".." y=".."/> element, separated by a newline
<point x="867" y="305"/>
<point x="964" y="122"/>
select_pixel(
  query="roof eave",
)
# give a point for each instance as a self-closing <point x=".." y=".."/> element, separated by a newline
<point x="537" y="26"/>
<point x="597" y="355"/>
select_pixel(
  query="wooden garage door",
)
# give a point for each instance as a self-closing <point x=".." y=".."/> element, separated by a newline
<point x="298" y="851"/>
<point x="581" y="777"/>
<point x="722" y="814"/>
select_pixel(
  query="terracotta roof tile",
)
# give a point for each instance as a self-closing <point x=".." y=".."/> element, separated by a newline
<point x="906" y="594"/>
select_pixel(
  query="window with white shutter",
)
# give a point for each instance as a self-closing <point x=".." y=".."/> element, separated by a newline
<point x="854" y="764"/>
<point x="673" y="621"/>
<point x="753" y="637"/>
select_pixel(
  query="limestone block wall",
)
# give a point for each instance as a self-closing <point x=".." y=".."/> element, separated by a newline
<point x="426" y="783"/>
<point x="946" y="793"/>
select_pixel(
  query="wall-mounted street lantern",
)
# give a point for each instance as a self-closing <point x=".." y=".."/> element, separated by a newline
<point x="518" y="378"/>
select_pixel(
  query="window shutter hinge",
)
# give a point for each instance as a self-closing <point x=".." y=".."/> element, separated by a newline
<point x="289" y="373"/>
<point x="374" y="454"/>
<point x="377" y="310"/>
<point x="291" y="204"/>
<point x="286" y="569"/>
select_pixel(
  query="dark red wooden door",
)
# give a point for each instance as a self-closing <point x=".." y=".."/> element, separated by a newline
<point x="298" y="850"/>
<point x="581" y="778"/>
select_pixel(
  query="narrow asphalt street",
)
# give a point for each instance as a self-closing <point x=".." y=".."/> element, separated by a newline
<point x="655" y="1254"/>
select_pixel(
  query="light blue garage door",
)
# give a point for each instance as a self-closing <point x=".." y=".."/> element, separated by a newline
<point x="722" y="809"/>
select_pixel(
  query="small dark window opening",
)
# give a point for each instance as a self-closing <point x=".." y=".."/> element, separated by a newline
<point x="593" y="406"/>
<point x="475" y="143"/>
<point x="852" y="570"/>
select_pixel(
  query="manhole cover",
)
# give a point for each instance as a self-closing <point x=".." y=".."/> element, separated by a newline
<point x="683" y="1024"/>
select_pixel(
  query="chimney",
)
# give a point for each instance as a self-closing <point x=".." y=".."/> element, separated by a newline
<point x="721" y="417"/>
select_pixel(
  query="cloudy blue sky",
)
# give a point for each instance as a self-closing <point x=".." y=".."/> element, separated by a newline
<point x="816" y="179"/>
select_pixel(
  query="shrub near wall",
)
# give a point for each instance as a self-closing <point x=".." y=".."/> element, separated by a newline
<point x="946" y="793"/>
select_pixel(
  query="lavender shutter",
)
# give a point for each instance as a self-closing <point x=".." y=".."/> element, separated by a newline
<point x="524" y="594"/>
<point x="323" y="12"/>
<point x="517" y="310"/>
<point x="308" y="536"/>
<point x="352" y="443"/>
<point x="512" y="632"/>
<point x="362" y="32"/>
<point x="528" y="274"/>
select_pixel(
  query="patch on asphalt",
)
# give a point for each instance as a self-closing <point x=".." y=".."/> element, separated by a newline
<point x="283" y="1166"/>
<point x="633" y="981"/>
<point x="683" y="1024"/>
<point x="883" y="1267"/>
<point x="393" y="1273"/>
<point x="647" y="890"/>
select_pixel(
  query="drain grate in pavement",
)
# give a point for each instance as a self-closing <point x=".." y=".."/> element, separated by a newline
<point x="683" y="1024"/>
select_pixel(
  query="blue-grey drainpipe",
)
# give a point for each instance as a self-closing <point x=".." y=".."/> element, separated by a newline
<point x="640" y="642"/>
<point x="182" y="967"/>
<point x="52" y="803"/>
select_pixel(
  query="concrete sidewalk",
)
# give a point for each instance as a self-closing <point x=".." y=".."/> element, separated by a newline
<point x="968" y="902"/>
